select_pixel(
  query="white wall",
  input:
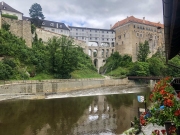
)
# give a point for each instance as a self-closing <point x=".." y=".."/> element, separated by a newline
<point x="12" y="13"/>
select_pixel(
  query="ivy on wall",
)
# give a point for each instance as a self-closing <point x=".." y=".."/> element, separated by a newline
<point x="10" y="16"/>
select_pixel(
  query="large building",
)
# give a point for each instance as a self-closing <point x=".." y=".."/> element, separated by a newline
<point x="99" y="36"/>
<point x="6" y="9"/>
<point x="132" y="31"/>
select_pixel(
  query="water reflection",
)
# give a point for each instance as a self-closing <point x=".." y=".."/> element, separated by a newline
<point x="105" y="114"/>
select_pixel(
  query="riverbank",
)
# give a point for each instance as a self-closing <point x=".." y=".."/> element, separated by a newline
<point x="62" y="88"/>
<point x="60" y="85"/>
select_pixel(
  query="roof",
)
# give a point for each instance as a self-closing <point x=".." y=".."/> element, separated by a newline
<point x="171" y="13"/>
<point x="47" y="23"/>
<point x="136" y="20"/>
<point x="91" y="28"/>
<point x="4" y="6"/>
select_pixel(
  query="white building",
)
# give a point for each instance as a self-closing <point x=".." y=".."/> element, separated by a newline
<point x="6" y="9"/>
<point x="99" y="36"/>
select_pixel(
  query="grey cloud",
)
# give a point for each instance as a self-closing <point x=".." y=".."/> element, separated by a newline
<point x="93" y="13"/>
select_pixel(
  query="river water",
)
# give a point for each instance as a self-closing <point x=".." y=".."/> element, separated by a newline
<point x="101" y="111"/>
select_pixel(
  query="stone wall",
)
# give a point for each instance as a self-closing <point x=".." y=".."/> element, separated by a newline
<point x="49" y="86"/>
<point x="20" y="28"/>
<point x="45" y="35"/>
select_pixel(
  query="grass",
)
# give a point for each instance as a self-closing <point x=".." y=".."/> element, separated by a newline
<point x="119" y="72"/>
<point x="42" y="76"/>
<point x="85" y="73"/>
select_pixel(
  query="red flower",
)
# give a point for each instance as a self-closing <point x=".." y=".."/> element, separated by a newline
<point x="172" y="129"/>
<point x="163" y="131"/>
<point x="177" y="112"/>
<point x="156" y="132"/>
<point x="163" y="92"/>
<point x="168" y="102"/>
<point x="178" y="95"/>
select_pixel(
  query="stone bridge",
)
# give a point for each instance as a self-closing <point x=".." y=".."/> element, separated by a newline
<point x="99" y="54"/>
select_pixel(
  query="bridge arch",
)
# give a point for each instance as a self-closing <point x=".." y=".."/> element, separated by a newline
<point x="95" y="63"/>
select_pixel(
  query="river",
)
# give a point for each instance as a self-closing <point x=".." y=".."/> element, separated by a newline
<point x="100" y="111"/>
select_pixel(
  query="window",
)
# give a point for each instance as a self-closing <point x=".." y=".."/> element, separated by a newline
<point x="76" y="29"/>
<point x="134" y="26"/>
<point x="43" y="23"/>
<point x="112" y="39"/>
<point x="60" y="26"/>
<point x="124" y="35"/>
<point x="51" y="24"/>
<point x="119" y="37"/>
<point x="95" y="30"/>
<point x="76" y="37"/>
<point x="107" y="39"/>
<point x="61" y="30"/>
<point x="90" y="37"/>
<point x="107" y="31"/>
<point x="52" y="29"/>
<point x="82" y="37"/>
<point x="95" y="38"/>
<point x="82" y="29"/>
<point x="102" y="31"/>
<point x="76" y="33"/>
<point x="102" y="35"/>
<point x="102" y="38"/>
<point x="122" y="42"/>
<point x="112" y="32"/>
<point x="140" y="35"/>
<point x="137" y="34"/>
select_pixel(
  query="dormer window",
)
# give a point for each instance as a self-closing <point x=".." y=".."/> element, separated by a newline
<point x="4" y="7"/>
<point x="43" y="23"/>
<point x="51" y="24"/>
<point x="60" y="26"/>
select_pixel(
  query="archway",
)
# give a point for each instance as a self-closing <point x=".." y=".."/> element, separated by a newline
<point x="107" y="53"/>
<point x="96" y="63"/>
<point x="95" y="53"/>
<point x="102" y="53"/>
<point x="90" y="52"/>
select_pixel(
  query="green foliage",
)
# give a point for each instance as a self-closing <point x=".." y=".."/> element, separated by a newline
<point x="59" y="58"/>
<point x="6" y="26"/>
<point x="85" y="73"/>
<point x="33" y="28"/>
<point x="173" y="71"/>
<point x="156" y="66"/>
<point x="114" y="61"/>
<point x="10" y="16"/>
<point x="119" y="72"/>
<point x="36" y="14"/>
<point x="143" y="51"/>
<point x="5" y="71"/>
<point x="140" y="69"/>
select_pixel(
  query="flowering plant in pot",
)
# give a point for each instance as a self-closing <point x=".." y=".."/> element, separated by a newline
<point x="165" y="105"/>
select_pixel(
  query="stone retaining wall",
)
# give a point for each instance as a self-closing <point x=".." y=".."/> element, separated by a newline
<point x="53" y="86"/>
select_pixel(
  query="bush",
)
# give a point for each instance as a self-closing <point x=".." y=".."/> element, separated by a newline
<point x="10" y="16"/>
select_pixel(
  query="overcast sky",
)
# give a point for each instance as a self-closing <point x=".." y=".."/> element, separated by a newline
<point x="93" y="13"/>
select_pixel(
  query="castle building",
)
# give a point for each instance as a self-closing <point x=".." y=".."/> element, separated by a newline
<point x="132" y="31"/>
<point x="99" y="36"/>
<point x="6" y="9"/>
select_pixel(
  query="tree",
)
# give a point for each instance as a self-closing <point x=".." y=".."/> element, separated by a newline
<point x="143" y="51"/>
<point x="140" y="69"/>
<point x="36" y="14"/>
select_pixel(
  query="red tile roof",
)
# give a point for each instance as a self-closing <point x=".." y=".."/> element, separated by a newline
<point x="133" y="19"/>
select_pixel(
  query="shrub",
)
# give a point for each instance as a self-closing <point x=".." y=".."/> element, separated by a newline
<point x="10" y="16"/>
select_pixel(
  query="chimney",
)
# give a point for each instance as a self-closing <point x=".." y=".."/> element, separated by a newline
<point x="2" y="2"/>
<point x="57" y="25"/>
<point x="143" y="19"/>
<point x="110" y="26"/>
